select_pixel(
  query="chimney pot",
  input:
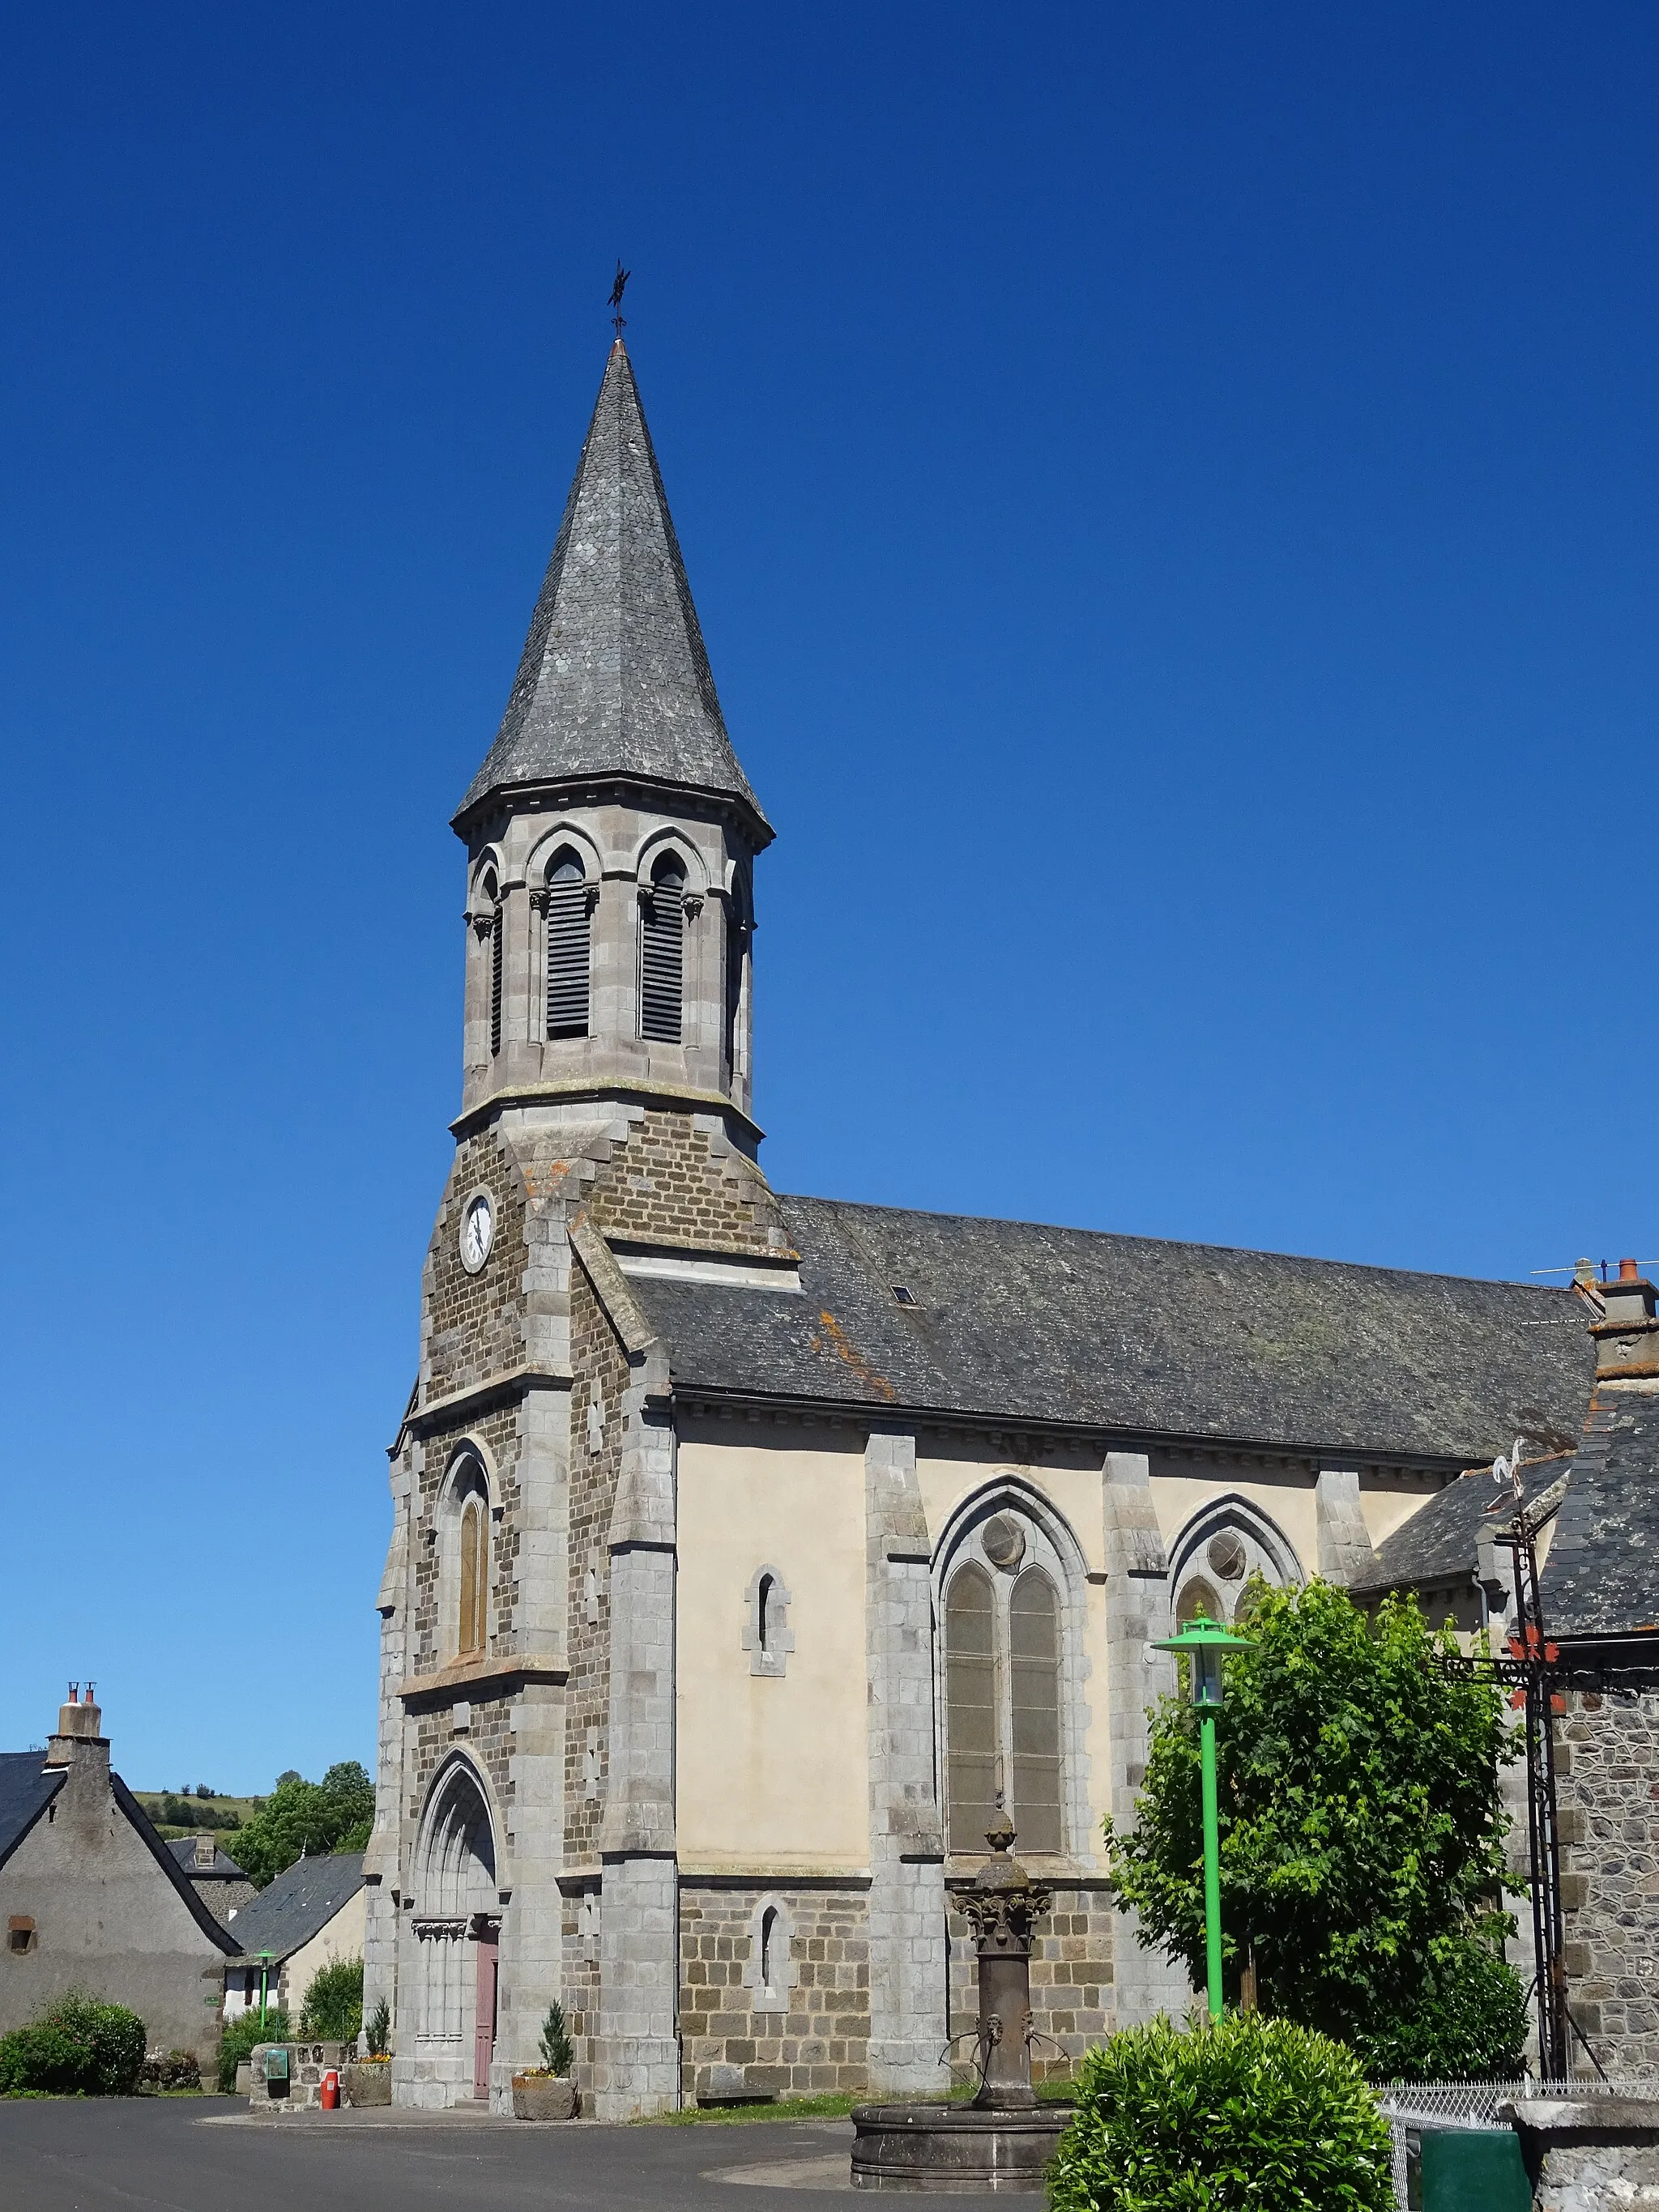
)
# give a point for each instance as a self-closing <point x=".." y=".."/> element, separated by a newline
<point x="1627" y="1272"/>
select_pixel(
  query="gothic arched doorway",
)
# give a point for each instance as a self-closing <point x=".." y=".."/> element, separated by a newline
<point x="458" y="1927"/>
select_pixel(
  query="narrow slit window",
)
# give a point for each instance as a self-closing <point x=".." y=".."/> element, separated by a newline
<point x="766" y="1626"/>
<point x="568" y="949"/>
<point x="970" y="1697"/>
<point x="769" y="1949"/>
<point x="662" y="953"/>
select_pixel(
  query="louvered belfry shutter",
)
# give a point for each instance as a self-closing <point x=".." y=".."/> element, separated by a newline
<point x="496" y="934"/>
<point x="567" y="951"/>
<point x="662" y="954"/>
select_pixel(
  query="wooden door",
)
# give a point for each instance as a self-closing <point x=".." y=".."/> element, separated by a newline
<point x="483" y="2029"/>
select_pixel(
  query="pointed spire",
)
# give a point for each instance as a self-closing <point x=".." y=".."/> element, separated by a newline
<point x="615" y="680"/>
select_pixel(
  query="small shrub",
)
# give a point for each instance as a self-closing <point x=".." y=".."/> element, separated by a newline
<point x="380" y="2030"/>
<point x="170" y="2070"/>
<point x="333" y="2009"/>
<point x="557" y="2052"/>
<point x="243" y="2033"/>
<point x="77" y="2047"/>
<point x="1249" y="2113"/>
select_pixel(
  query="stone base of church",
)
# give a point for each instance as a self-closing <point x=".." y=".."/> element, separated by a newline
<point x="810" y="2035"/>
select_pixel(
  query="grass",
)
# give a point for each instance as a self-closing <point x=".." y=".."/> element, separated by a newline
<point x="833" y="2106"/>
<point x="244" y="1807"/>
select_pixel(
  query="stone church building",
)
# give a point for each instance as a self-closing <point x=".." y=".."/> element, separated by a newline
<point x="746" y="1547"/>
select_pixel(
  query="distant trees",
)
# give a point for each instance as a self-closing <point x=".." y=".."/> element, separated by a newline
<point x="302" y="1818"/>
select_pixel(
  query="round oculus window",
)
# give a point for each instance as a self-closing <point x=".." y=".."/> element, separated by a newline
<point x="1003" y="1540"/>
<point x="477" y="1231"/>
<point x="1226" y="1555"/>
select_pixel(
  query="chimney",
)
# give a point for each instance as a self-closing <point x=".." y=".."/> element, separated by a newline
<point x="78" y="1740"/>
<point x="1627" y="1335"/>
<point x="206" y="1851"/>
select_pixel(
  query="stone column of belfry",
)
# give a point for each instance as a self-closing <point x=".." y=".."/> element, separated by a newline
<point x="909" y="1962"/>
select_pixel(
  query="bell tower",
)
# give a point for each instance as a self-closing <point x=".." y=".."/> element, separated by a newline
<point x="611" y="834"/>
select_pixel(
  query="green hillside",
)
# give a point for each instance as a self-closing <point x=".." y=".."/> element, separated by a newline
<point x="181" y="1812"/>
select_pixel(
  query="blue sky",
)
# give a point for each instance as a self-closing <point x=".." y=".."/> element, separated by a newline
<point x="1171" y="498"/>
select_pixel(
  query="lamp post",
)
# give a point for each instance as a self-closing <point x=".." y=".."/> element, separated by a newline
<point x="1203" y="1641"/>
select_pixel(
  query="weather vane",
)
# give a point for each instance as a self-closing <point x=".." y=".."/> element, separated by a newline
<point x="617" y="291"/>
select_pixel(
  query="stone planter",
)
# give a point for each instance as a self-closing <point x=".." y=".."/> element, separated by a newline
<point x="367" y="2082"/>
<point x="543" y="2097"/>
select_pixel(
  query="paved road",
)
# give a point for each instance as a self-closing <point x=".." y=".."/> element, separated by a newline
<point x="188" y="2154"/>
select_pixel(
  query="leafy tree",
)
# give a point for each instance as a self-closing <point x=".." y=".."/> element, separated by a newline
<point x="1362" y="1834"/>
<point x="301" y="1818"/>
<point x="333" y="2009"/>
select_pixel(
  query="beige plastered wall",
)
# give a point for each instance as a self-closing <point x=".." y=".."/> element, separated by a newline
<point x="772" y="1773"/>
<point x="341" y="1937"/>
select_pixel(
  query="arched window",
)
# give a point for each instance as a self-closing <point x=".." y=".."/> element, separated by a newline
<point x="1034" y="1667"/>
<point x="474" y="1576"/>
<point x="766" y="1637"/>
<point x="662" y="952"/>
<point x="1004" y="1677"/>
<point x="1197" y="1597"/>
<point x="566" y="941"/>
<point x="970" y="1706"/>
<point x="768" y="1945"/>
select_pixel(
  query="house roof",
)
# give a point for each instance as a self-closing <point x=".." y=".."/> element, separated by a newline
<point x="1602" y="1577"/>
<point x="614" y="678"/>
<point x="223" y="1868"/>
<point x="297" y="1904"/>
<point x="1020" y="1323"/>
<point x="27" y="1786"/>
<point x="1439" y="1543"/>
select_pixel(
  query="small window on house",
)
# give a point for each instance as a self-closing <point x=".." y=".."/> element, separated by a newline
<point x="662" y="952"/>
<point x="567" y="948"/>
<point x="20" y="1935"/>
<point x="475" y="1575"/>
<point x="904" y="1294"/>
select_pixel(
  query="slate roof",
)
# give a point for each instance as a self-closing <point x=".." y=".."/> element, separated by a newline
<point x="297" y="1904"/>
<point x="614" y="678"/>
<point x="1602" y="1577"/>
<point x="1020" y="1323"/>
<point x="1438" y="1543"/>
<point x="27" y="1786"/>
<point x="224" y="1868"/>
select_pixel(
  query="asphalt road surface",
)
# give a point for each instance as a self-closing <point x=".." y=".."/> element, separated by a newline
<point x="205" y="2154"/>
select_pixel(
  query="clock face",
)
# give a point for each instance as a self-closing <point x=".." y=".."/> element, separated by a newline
<point x="477" y="1232"/>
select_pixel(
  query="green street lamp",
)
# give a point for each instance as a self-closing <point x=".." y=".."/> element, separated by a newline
<point x="1203" y="1641"/>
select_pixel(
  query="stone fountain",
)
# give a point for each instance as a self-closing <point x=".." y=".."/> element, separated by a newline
<point x="1002" y="2139"/>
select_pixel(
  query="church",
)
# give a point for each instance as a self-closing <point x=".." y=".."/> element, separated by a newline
<point x="748" y="1549"/>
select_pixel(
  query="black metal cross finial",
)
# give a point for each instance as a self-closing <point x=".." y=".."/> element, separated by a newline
<point x="617" y="290"/>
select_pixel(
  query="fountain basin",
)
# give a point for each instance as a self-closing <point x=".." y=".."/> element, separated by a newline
<point x="960" y="2147"/>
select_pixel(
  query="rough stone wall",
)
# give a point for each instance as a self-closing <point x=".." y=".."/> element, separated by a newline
<point x="1071" y="1975"/>
<point x="601" y="1373"/>
<point x="666" y="1185"/>
<point x="433" y="1637"/>
<point x="578" y="1974"/>
<point x="1608" y="1791"/>
<point x="822" y="2042"/>
<point x="472" y="1326"/>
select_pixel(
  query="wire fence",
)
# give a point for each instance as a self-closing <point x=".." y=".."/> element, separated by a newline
<point x="1410" y="2108"/>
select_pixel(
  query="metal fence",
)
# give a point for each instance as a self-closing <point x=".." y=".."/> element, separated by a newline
<point x="1410" y="2108"/>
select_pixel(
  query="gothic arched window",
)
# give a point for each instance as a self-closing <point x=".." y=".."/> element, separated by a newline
<point x="1003" y="1676"/>
<point x="474" y="1576"/>
<point x="566" y="941"/>
<point x="662" y="951"/>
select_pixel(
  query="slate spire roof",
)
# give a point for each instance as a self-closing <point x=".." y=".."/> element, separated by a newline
<point x="614" y="679"/>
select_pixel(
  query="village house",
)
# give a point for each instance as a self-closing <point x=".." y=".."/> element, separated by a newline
<point x="93" y="1898"/>
<point x="747" y="1548"/>
<point x="311" y="1915"/>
